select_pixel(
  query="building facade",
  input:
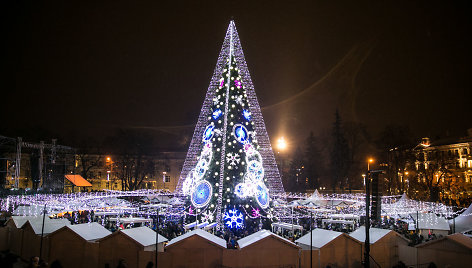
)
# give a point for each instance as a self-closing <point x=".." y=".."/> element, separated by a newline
<point x="444" y="167"/>
<point x="117" y="172"/>
<point x="161" y="171"/>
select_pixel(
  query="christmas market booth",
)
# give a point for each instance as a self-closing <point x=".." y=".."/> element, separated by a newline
<point x="330" y="248"/>
<point x="262" y="249"/>
<point x="196" y="248"/>
<point x="384" y="245"/>
<point x="76" y="245"/>
<point x="136" y="246"/>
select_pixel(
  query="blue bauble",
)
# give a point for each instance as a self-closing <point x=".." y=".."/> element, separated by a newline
<point x="208" y="133"/>
<point x="217" y="113"/>
<point x="201" y="194"/>
<point x="262" y="196"/>
<point x="240" y="133"/>
<point x="247" y="115"/>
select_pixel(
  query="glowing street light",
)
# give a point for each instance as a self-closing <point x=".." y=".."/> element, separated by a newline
<point x="281" y="144"/>
<point x="109" y="164"/>
<point x="370" y="161"/>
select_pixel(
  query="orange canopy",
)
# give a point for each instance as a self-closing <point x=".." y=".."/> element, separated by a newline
<point x="78" y="180"/>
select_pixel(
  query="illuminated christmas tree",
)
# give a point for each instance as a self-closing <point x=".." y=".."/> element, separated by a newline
<point x="230" y="171"/>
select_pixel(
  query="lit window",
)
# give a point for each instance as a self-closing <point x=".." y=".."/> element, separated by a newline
<point x="469" y="163"/>
<point x="166" y="178"/>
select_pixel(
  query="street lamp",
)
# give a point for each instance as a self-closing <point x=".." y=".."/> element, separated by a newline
<point x="367" y="216"/>
<point x="370" y="161"/>
<point x="109" y="163"/>
<point x="407" y="182"/>
<point x="281" y="144"/>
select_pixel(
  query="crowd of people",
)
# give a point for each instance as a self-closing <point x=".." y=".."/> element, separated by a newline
<point x="10" y="260"/>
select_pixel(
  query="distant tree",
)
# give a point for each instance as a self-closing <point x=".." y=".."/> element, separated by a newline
<point x="394" y="143"/>
<point x="296" y="178"/>
<point x="312" y="162"/>
<point x="432" y="167"/>
<point x="89" y="155"/>
<point x="357" y="138"/>
<point x="340" y="155"/>
<point x="133" y="169"/>
<point x="133" y="161"/>
<point x="86" y="162"/>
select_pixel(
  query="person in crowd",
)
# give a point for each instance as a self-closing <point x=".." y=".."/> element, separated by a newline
<point x="34" y="262"/>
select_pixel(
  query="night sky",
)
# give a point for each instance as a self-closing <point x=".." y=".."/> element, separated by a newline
<point x="84" y="68"/>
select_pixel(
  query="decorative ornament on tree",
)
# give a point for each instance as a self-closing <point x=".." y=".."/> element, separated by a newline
<point x="237" y="83"/>
<point x="256" y="213"/>
<point x="217" y="113"/>
<point x="234" y="219"/>
<point x="247" y="115"/>
<point x="208" y="134"/>
<point x="239" y="100"/>
<point x="208" y="216"/>
<point x="233" y="159"/>
<point x="241" y="134"/>
<point x="201" y="194"/>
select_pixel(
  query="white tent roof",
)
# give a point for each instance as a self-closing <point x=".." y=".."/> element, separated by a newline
<point x="190" y="225"/>
<point x="19" y="221"/>
<point x="90" y="231"/>
<point x="404" y="197"/>
<point x="316" y="195"/>
<point x="127" y="220"/>
<point x="206" y="235"/>
<point x="321" y="237"/>
<point x="251" y="239"/>
<point x="457" y="238"/>
<point x="210" y="226"/>
<point x="345" y="216"/>
<point x="50" y="225"/>
<point x="144" y="236"/>
<point x="175" y="201"/>
<point x="461" y="239"/>
<point x="202" y="224"/>
<point x="65" y="221"/>
<point x="463" y="222"/>
<point x="375" y="234"/>
<point x="430" y="221"/>
<point x="286" y="226"/>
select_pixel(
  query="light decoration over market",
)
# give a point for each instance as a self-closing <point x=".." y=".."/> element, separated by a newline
<point x="341" y="206"/>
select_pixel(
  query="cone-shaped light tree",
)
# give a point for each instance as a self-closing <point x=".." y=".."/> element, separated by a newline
<point x="230" y="172"/>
